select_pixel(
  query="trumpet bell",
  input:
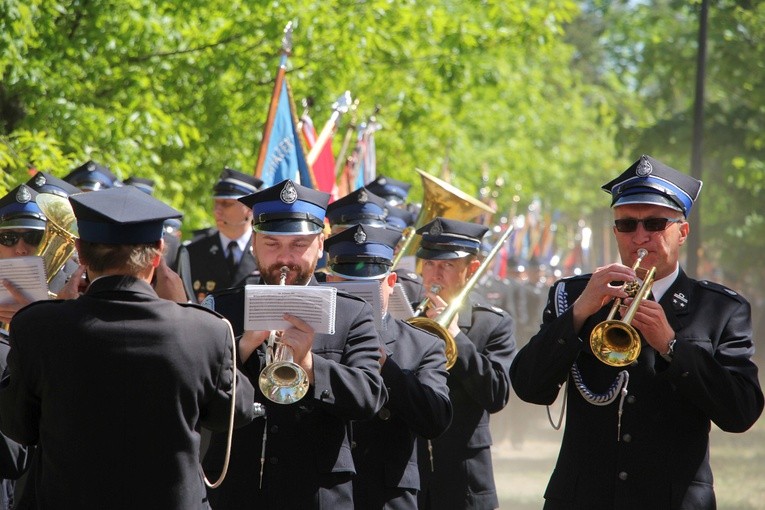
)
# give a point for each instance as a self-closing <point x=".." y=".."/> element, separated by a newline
<point x="615" y="343"/>
<point x="283" y="381"/>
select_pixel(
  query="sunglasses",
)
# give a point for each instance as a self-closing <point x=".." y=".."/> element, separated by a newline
<point x="649" y="224"/>
<point x="32" y="237"/>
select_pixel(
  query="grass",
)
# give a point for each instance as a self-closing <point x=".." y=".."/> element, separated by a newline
<point x="522" y="472"/>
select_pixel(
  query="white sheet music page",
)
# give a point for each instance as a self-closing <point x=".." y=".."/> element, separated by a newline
<point x="368" y="290"/>
<point x="26" y="273"/>
<point x="264" y="306"/>
<point x="398" y="305"/>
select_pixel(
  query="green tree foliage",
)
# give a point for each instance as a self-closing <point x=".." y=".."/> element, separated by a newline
<point x="176" y="90"/>
<point x="645" y="54"/>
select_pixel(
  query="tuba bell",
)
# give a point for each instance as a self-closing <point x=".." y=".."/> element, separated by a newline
<point x="440" y="325"/>
<point x="616" y="342"/>
<point x="440" y="199"/>
<point x="57" y="244"/>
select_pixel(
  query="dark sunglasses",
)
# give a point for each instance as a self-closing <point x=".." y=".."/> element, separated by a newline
<point x="649" y="224"/>
<point x="32" y="238"/>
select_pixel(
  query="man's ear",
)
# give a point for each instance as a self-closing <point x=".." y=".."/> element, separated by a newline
<point x="158" y="257"/>
<point x="473" y="266"/>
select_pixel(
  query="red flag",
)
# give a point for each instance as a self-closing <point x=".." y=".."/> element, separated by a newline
<point x="324" y="166"/>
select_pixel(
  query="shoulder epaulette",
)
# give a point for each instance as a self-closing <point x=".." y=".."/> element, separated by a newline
<point x="722" y="289"/>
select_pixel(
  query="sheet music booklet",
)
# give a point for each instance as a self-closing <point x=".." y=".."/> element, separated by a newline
<point x="264" y="306"/>
<point x="28" y="274"/>
<point x="368" y="290"/>
<point x="398" y="305"/>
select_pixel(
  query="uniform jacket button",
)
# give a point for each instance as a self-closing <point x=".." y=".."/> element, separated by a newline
<point x="626" y="438"/>
<point x="274" y="460"/>
<point x="623" y="476"/>
<point x="631" y="399"/>
<point x="325" y="394"/>
<point x="274" y="429"/>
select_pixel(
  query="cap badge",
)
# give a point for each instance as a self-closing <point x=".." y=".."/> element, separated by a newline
<point x="23" y="195"/>
<point x="91" y="167"/>
<point x="644" y="168"/>
<point x="436" y="229"/>
<point x="360" y="236"/>
<point x="363" y="197"/>
<point x="383" y="181"/>
<point x="40" y="180"/>
<point x="289" y="193"/>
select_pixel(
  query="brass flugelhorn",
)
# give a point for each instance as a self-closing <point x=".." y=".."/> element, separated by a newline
<point x="440" y="325"/>
<point x="282" y="381"/>
<point x="616" y="342"/>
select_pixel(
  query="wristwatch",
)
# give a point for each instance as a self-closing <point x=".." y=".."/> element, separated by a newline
<point x="670" y="350"/>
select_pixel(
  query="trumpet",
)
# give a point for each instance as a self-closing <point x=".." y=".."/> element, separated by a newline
<point x="425" y="303"/>
<point x="616" y="342"/>
<point x="282" y="381"/>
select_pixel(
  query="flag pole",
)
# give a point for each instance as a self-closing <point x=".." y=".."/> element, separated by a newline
<point x="285" y="52"/>
<point x="340" y="107"/>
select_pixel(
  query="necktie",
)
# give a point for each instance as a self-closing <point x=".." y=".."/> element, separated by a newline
<point x="231" y="257"/>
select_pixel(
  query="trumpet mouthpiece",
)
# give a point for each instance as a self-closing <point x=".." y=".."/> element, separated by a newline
<point x="641" y="253"/>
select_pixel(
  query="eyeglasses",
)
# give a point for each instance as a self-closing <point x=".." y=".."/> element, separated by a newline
<point x="32" y="237"/>
<point x="649" y="224"/>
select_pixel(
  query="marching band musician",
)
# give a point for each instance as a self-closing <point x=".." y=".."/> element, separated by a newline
<point x="19" y="214"/>
<point x="637" y="435"/>
<point x="393" y="191"/>
<point x="223" y="256"/>
<point x="92" y="176"/>
<point x="114" y="385"/>
<point x="300" y="457"/>
<point x="22" y="225"/>
<point x="413" y="367"/>
<point x="458" y="473"/>
<point x="359" y="207"/>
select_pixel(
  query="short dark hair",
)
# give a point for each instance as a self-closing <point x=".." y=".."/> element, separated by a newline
<point x="132" y="258"/>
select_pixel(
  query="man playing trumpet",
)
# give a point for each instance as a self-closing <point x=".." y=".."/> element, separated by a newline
<point x="638" y="436"/>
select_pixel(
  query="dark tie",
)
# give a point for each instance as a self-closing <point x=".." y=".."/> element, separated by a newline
<point x="231" y="258"/>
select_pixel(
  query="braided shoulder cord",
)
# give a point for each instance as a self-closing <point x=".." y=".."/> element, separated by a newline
<point x="561" y="305"/>
<point x="618" y="388"/>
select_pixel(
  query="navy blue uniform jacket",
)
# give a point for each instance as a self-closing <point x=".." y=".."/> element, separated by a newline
<point x="384" y="449"/>
<point x="479" y="384"/>
<point x="114" y="386"/>
<point x="308" y="461"/>
<point x="661" y="459"/>
<point x="209" y="270"/>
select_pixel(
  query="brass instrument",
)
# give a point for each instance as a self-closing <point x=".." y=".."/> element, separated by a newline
<point x="425" y="303"/>
<point x="441" y="199"/>
<point x="616" y="342"/>
<point x="440" y="325"/>
<point x="282" y="381"/>
<point x="57" y="244"/>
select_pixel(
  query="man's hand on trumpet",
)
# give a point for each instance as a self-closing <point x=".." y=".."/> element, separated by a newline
<point x="600" y="291"/>
<point x="652" y="323"/>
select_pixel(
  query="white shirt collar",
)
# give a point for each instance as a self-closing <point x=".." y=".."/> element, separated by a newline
<point x="661" y="286"/>
<point x="242" y="242"/>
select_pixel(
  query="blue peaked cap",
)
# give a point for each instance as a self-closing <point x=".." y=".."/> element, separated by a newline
<point x="649" y="181"/>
